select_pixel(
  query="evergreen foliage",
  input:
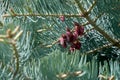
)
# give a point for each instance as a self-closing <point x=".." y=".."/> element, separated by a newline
<point x="29" y="34"/>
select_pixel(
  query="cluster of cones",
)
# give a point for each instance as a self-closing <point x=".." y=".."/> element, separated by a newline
<point x="71" y="37"/>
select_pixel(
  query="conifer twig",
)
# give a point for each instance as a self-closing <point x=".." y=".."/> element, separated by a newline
<point x="96" y="27"/>
<point x="43" y="15"/>
<point x="11" y="37"/>
<point x="17" y="59"/>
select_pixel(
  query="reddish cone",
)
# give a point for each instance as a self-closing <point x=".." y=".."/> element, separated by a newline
<point x="79" y="29"/>
<point x="71" y="38"/>
<point x="75" y="35"/>
<point x="69" y="35"/>
<point x="62" y="41"/>
<point x="75" y="45"/>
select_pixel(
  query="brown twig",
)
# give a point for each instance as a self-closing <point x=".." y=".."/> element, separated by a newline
<point x="11" y="37"/>
<point x="43" y="15"/>
<point x="17" y="59"/>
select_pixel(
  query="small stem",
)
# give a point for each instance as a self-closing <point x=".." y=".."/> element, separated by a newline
<point x="89" y="10"/>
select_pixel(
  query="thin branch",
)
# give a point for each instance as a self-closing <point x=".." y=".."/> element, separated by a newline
<point x="43" y="15"/>
<point x="102" y="47"/>
<point x="94" y="3"/>
<point x="17" y="59"/>
<point x="96" y="27"/>
<point x="97" y="49"/>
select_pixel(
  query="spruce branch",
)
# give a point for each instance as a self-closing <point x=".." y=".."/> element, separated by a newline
<point x="96" y="27"/>
<point x="43" y="15"/>
<point x="10" y="38"/>
<point x="17" y="59"/>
